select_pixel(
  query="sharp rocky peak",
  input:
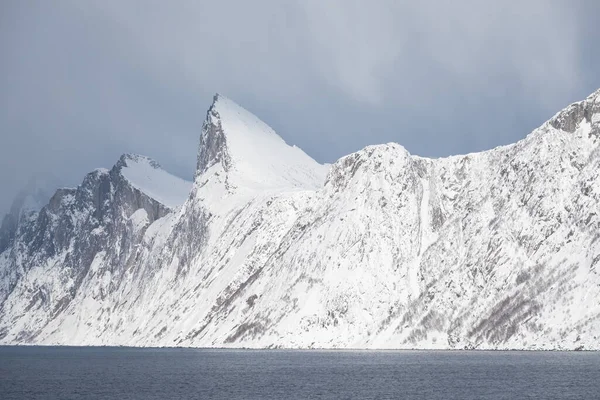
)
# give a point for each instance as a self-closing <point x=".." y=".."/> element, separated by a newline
<point x="236" y="143"/>
<point x="213" y="146"/>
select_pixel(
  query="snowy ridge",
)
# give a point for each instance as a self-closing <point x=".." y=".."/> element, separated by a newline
<point x="146" y="175"/>
<point x="382" y="249"/>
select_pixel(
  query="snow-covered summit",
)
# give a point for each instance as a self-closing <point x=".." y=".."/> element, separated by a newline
<point x="146" y="175"/>
<point x="236" y="143"/>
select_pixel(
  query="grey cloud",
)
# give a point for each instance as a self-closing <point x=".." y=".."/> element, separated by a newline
<point x="83" y="82"/>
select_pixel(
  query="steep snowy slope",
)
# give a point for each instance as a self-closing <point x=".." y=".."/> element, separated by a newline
<point x="382" y="249"/>
<point x="147" y="176"/>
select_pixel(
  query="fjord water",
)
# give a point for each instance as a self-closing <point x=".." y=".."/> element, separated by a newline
<point x="130" y="373"/>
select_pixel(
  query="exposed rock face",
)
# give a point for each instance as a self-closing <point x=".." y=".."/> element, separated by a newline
<point x="213" y="144"/>
<point x="587" y="111"/>
<point x="54" y="249"/>
<point x="499" y="249"/>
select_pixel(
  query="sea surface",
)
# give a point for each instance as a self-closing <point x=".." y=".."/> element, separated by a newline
<point x="130" y="373"/>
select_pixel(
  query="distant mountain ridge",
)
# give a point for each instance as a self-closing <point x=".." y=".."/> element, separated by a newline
<point x="29" y="200"/>
<point x="268" y="248"/>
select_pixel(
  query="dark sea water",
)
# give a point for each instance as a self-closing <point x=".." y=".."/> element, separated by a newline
<point x="127" y="373"/>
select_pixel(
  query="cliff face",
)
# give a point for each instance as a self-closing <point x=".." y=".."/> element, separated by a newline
<point x="54" y="249"/>
<point x="382" y="249"/>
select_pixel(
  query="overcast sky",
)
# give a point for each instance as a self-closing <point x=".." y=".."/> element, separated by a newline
<point x="82" y="82"/>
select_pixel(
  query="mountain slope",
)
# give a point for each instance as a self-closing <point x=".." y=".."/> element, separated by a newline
<point x="54" y="251"/>
<point x="382" y="249"/>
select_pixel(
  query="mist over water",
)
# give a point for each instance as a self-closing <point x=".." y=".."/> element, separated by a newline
<point x="127" y="373"/>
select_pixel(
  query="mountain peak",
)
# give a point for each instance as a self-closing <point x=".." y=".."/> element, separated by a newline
<point x="213" y="147"/>
<point x="129" y="159"/>
<point x="146" y="175"/>
<point x="253" y="156"/>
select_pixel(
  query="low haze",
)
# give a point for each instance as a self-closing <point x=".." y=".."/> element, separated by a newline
<point x="83" y="82"/>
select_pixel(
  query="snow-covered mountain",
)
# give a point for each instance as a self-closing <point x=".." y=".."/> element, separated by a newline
<point x="268" y="248"/>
